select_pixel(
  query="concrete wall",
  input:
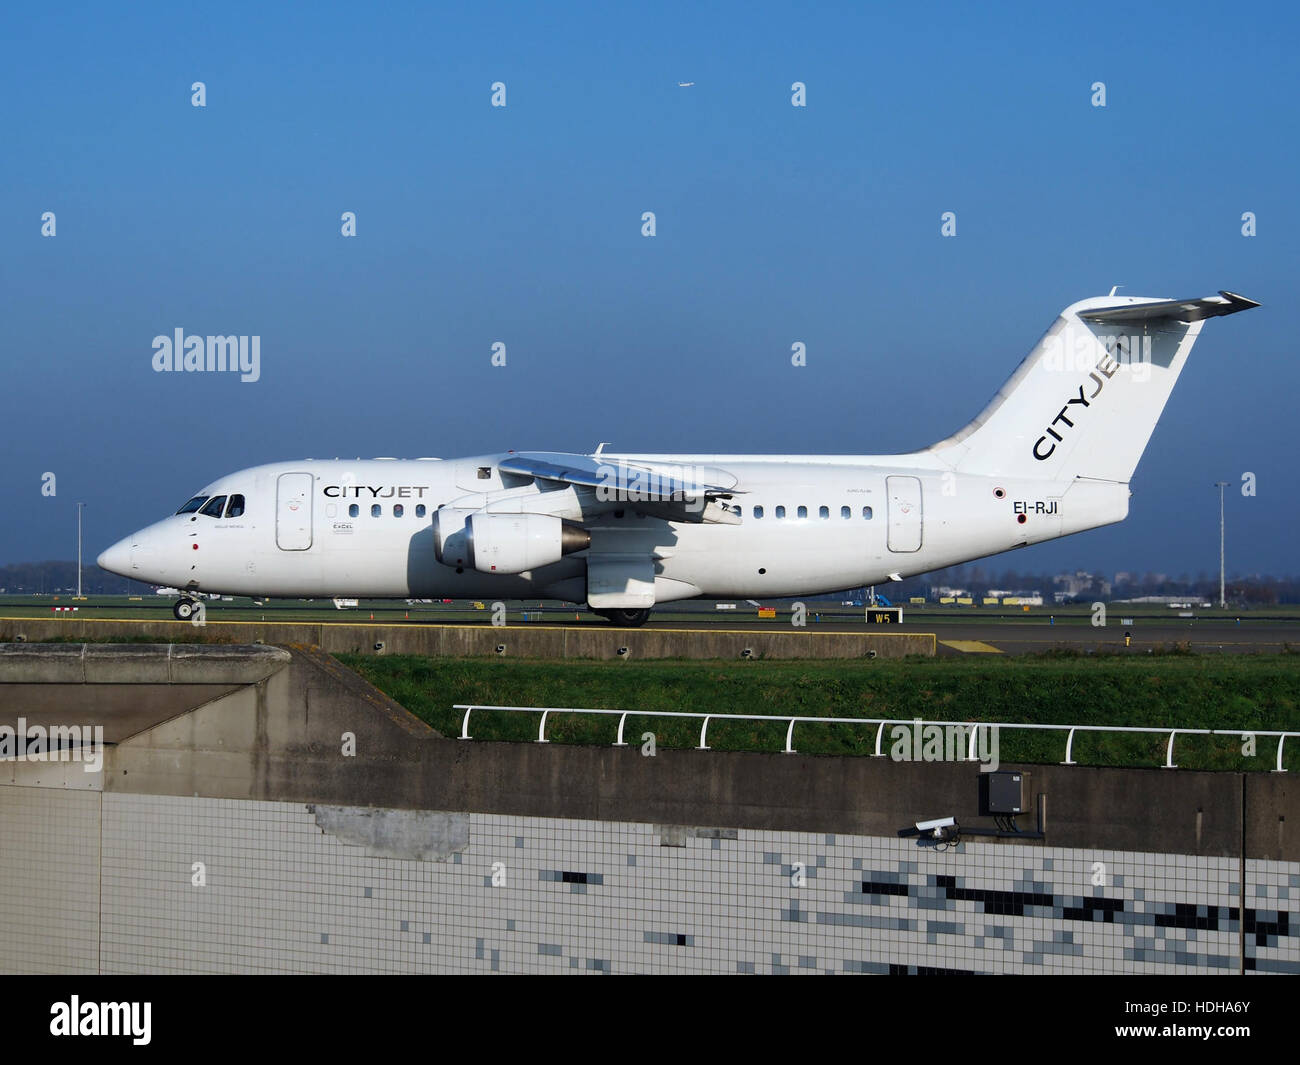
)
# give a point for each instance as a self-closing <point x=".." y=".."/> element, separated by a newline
<point x="519" y="640"/>
<point x="342" y="834"/>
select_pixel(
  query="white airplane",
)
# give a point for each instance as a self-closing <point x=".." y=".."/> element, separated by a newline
<point x="1052" y="454"/>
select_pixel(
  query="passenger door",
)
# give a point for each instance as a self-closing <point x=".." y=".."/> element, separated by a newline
<point x="904" y="513"/>
<point x="293" y="511"/>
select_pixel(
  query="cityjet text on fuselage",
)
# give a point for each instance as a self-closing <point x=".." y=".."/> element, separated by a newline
<point x="368" y="491"/>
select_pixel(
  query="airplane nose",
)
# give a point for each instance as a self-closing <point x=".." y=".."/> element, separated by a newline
<point x="117" y="559"/>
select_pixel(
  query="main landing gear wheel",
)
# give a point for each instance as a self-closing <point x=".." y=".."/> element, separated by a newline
<point x="184" y="609"/>
<point x="626" y="619"/>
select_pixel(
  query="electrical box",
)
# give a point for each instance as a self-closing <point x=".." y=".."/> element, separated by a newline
<point x="1004" y="793"/>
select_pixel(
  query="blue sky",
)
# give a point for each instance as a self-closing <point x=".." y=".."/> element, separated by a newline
<point x="523" y="225"/>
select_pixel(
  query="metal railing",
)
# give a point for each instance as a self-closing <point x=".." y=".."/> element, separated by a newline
<point x="879" y="722"/>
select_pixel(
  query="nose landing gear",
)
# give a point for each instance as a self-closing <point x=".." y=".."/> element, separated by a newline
<point x="183" y="609"/>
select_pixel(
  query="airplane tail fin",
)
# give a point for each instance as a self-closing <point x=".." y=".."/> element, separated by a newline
<point x="1086" y="399"/>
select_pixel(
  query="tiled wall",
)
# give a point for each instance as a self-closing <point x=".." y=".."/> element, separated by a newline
<point x="291" y="887"/>
<point x="49" y="880"/>
<point x="1272" y="916"/>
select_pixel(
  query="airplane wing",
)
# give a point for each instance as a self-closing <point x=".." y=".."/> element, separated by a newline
<point x="679" y="493"/>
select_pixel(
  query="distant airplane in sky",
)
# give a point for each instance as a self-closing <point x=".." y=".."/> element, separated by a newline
<point x="685" y="84"/>
<point x="1051" y="454"/>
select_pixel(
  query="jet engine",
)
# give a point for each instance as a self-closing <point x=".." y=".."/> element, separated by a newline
<point x="504" y="543"/>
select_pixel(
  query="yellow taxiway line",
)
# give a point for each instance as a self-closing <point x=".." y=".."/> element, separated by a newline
<point x="978" y="647"/>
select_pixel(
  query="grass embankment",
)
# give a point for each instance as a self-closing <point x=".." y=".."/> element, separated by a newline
<point x="1183" y="690"/>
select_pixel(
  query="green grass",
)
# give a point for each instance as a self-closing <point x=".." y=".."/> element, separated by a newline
<point x="1184" y="690"/>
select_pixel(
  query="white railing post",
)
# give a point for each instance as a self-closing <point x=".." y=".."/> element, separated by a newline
<point x="704" y="732"/>
<point x="621" y="722"/>
<point x="1069" y="749"/>
<point x="464" y="725"/>
<point x="970" y="749"/>
<point x="1280" y="740"/>
<point x="1169" y="751"/>
<point x="541" y="729"/>
<point x="880" y="732"/>
<point x="789" y="736"/>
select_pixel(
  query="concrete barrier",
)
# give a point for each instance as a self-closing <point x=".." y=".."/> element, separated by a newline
<point x="471" y="641"/>
<point x="94" y="663"/>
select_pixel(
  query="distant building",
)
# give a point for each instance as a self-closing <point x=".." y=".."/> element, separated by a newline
<point x="1079" y="584"/>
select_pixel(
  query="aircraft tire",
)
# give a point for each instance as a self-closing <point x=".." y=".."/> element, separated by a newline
<point x="625" y="619"/>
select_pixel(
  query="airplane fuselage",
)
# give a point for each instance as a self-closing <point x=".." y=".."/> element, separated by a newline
<point x="807" y="525"/>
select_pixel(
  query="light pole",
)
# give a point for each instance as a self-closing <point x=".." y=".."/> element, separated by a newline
<point x="1223" y="602"/>
<point x="80" y="507"/>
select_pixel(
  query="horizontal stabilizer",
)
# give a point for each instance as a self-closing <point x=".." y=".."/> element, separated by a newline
<point x="1178" y="310"/>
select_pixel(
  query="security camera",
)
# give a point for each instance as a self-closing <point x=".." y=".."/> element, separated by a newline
<point x="938" y="832"/>
<point x="748" y="652"/>
<point x="501" y="648"/>
<point x="622" y="650"/>
<point x="379" y="646"/>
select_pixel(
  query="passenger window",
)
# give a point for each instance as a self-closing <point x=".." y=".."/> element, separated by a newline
<point x="213" y="508"/>
<point x="376" y="510"/>
<point x="803" y="512"/>
<point x="419" y="510"/>
<point x="846" y="512"/>
<point x="236" y="507"/>
<point x="353" y="510"/>
<point x="823" y="512"/>
<point x="485" y="473"/>
<point x="758" y="512"/>
<point x="866" y="512"/>
<point x="780" y="512"/>
<point x="398" y="510"/>
<point x="193" y="505"/>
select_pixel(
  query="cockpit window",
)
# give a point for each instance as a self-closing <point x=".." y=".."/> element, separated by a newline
<point x="213" y="507"/>
<point x="193" y="505"/>
<point x="236" y="507"/>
